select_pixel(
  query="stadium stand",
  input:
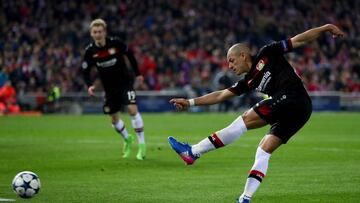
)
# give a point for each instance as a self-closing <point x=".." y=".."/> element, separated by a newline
<point x="178" y="43"/>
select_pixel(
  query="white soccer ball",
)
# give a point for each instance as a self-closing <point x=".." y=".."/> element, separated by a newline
<point x="26" y="184"/>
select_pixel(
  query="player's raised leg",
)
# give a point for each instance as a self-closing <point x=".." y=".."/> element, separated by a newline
<point x="218" y="139"/>
<point x="259" y="169"/>
<point x="228" y="135"/>
<point x="119" y="126"/>
<point x="138" y="125"/>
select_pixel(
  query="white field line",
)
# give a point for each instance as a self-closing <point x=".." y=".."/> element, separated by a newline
<point x="6" y="200"/>
<point x="334" y="149"/>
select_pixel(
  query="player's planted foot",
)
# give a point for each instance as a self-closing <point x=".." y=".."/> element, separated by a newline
<point x="184" y="151"/>
<point x="243" y="199"/>
<point x="141" y="152"/>
<point x="127" y="146"/>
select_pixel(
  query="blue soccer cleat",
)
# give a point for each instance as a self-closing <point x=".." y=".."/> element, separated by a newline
<point x="243" y="199"/>
<point x="184" y="151"/>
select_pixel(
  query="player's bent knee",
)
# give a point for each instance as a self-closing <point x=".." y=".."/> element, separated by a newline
<point x="132" y="110"/>
<point x="133" y="113"/>
<point x="270" y="143"/>
<point x="114" y="118"/>
<point x="252" y="119"/>
<point x="114" y="121"/>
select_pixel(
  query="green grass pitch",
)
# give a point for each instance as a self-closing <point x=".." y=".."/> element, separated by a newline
<point x="78" y="159"/>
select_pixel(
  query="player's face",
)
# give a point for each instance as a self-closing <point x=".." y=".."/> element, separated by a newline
<point x="237" y="63"/>
<point x="98" y="33"/>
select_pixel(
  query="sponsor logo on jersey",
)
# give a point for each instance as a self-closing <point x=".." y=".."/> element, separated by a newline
<point x="107" y="63"/>
<point x="264" y="81"/>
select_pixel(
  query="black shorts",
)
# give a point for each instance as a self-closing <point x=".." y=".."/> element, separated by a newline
<point x="285" y="112"/>
<point x="115" y="100"/>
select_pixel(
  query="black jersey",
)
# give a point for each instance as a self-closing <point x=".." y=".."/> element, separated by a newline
<point x="110" y="63"/>
<point x="270" y="72"/>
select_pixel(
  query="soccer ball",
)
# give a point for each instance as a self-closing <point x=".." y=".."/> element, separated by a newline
<point x="26" y="184"/>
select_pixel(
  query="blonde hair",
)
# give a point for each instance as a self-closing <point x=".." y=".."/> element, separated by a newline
<point x="98" y="22"/>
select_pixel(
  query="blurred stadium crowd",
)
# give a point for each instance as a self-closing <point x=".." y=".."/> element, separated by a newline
<point x="177" y="43"/>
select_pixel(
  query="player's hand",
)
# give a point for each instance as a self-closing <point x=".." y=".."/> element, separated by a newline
<point x="139" y="80"/>
<point x="180" y="103"/>
<point x="91" y="90"/>
<point x="335" y="31"/>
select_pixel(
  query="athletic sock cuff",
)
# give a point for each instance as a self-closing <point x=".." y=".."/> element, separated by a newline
<point x="137" y="116"/>
<point x="258" y="175"/>
<point x="139" y="130"/>
<point x="260" y="153"/>
<point x="119" y="126"/>
<point x="215" y="140"/>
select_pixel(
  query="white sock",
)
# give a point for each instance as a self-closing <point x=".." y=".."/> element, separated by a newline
<point x="221" y="138"/>
<point x="138" y="125"/>
<point x="120" y="128"/>
<point x="257" y="173"/>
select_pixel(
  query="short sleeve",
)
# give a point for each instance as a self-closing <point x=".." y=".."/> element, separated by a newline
<point x="278" y="48"/>
<point x="121" y="45"/>
<point x="240" y="87"/>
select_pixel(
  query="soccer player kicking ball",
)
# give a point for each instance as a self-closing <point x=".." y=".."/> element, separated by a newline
<point x="286" y="110"/>
<point x="107" y="54"/>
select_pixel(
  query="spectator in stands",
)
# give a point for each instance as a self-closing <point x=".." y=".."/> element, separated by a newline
<point x="42" y="40"/>
<point x="8" y="103"/>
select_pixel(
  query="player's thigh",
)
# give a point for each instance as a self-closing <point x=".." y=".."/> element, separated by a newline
<point x="286" y="113"/>
<point x="132" y="109"/>
<point x="252" y="119"/>
<point x="129" y="100"/>
<point x="269" y="109"/>
<point x="114" y="118"/>
<point x="284" y="107"/>
<point x="286" y="128"/>
<point x="128" y="96"/>
<point x="112" y="104"/>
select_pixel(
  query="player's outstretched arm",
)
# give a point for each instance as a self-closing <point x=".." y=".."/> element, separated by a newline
<point x="312" y="34"/>
<point x="208" y="99"/>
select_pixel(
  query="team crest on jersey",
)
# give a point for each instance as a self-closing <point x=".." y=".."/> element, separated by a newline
<point x="105" y="53"/>
<point x="260" y="65"/>
<point x="112" y="51"/>
<point x="84" y="65"/>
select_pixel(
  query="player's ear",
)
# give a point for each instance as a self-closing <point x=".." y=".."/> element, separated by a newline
<point x="105" y="30"/>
